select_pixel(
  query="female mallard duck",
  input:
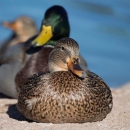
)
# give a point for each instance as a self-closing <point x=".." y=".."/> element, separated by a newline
<point x="12" y="54"/>
<point x="55" y="26"/>
<point x="67" y="94"/>
<point x="23" y="28"/>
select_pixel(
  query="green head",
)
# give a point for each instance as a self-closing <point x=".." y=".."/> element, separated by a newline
<point x="55" y="26"/>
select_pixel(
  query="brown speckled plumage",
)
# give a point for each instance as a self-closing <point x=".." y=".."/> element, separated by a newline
<point x="62" y="96"/>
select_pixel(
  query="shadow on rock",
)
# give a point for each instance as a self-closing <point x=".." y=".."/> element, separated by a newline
<point x="4" y="96"/>
<point x="15" y="114"/>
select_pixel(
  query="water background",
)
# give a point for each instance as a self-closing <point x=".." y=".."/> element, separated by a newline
<point x="102" y="28"/>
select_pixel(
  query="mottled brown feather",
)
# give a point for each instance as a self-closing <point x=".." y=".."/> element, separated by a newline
<point x="62" y="97"/>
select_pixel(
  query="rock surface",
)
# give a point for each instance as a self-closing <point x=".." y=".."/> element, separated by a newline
<point x="118" y="119"/>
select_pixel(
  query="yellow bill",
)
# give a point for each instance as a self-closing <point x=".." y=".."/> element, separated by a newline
<point x="74" y="66"/>
<point x="44" y="36"/>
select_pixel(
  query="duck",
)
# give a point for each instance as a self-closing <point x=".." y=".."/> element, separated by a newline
<point x="55" y="25"/>
<point x="23" y="28"/>
<point x="13" y="53"/>
<point x="67" y="93"/>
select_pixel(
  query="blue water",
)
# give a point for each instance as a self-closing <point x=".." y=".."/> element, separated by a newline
<point x="102" y="28"/>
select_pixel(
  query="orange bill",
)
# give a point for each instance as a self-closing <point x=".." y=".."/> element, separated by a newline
<point x="11" y="25"/>
<point x="74" y="66"/>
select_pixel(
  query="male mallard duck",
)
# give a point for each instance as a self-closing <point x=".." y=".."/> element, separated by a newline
<point x="55" y="26"/>
<point x="67" y="94"/>
<point x="12" y="55"/>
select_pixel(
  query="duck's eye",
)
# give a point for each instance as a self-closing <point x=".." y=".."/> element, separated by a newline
<point x="62" y="48"/>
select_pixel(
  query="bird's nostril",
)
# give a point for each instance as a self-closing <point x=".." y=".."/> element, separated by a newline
<point x="74" y="62"/>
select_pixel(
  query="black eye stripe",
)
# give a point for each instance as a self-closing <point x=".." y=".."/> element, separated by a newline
<point x="58" y="47"/>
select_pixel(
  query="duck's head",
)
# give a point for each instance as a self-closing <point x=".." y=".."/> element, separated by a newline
<point x="23" y="26"/>
<point x="65" y="57"/>
<point x="55" y="26"/>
